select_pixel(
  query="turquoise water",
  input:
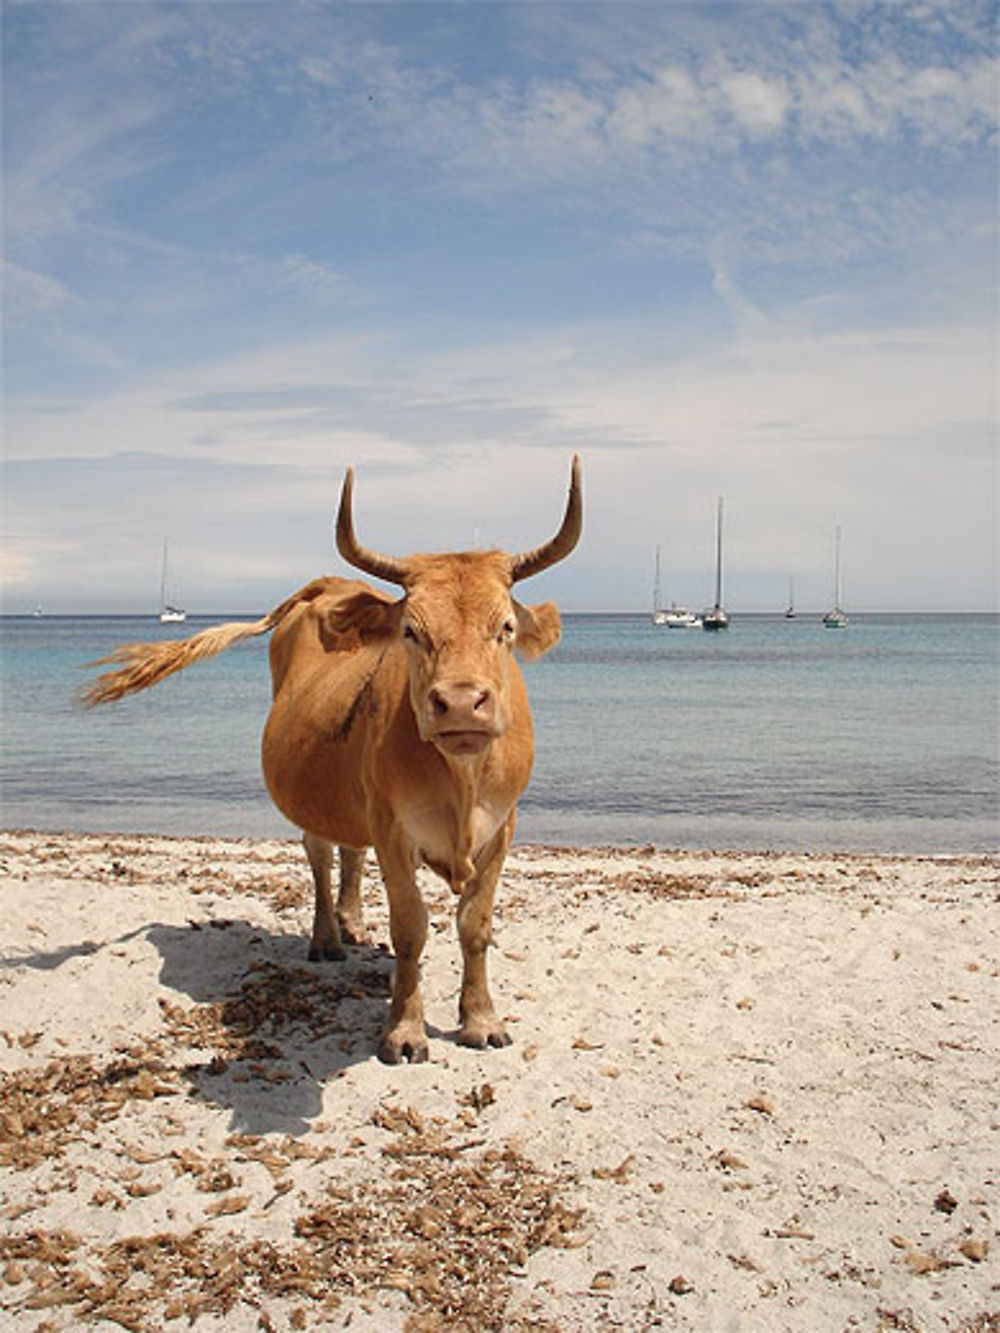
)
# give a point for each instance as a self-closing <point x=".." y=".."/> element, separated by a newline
<point x="776" y="734"/>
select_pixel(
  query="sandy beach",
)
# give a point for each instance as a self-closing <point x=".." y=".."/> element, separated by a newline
<point x="746" y="1092"/>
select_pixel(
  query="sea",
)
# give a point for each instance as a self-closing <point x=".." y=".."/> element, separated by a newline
<point x="775" y="734"/>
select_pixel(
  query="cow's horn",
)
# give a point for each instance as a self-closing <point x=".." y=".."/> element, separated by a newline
<point x="533" y="562"/>
<point x="379" y="566"/>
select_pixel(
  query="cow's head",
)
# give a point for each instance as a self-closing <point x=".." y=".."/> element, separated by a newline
<point x="459" y="624"/>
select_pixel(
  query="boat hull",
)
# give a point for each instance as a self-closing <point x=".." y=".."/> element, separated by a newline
<point x="677" y="619"/>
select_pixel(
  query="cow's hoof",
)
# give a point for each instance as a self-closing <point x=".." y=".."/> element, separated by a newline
<point x="479" y="1036"/>
<point x="353" y="933"/>
<point x="327" y="953"/>
<point x="394" y="1048"/>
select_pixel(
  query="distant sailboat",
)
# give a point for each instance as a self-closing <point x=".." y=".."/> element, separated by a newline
<point x="837" y="618"/>
<point x="674" y="616"/>
<point x="678" y="617"/>
<point x="790" y="610"/>
<point x="717" y="618"/>
<point x="657" y="613"/>
<point x="169" y="615"/>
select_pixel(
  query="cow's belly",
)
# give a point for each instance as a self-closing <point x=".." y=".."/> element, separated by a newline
<point x="315" y="781"/>
<point x="323" y="810"/>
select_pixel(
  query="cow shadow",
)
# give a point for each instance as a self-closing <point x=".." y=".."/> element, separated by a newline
<point x="268" y="1029"/>
<point x="50" y="960"/>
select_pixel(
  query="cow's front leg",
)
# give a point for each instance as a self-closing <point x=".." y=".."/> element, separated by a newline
<point x="326" y="941"/>
<point x="405" y="1036"/>
<point x="479" y="1024"/>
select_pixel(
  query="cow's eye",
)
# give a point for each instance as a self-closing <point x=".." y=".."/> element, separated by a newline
<point x="409" y="633"/>
<point x="507" y="630"/>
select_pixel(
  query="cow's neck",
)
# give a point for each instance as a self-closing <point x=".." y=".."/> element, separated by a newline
<point x="465" y="774"/>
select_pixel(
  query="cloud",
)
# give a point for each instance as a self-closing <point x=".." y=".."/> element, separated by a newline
<point x="799" y="430"/>
<point x="314" y="281"/>
<point x="15" y="569"/>
<point x="73" y="148"/>
<point x="706" y="102"/>
<point x="670" y="105"/>
<point x="885" y="99"/>
<point x="650" y="122"/>
<point x="746" y="314"/>
<point x="758" y="105"/>
<point x="29" y="293"/>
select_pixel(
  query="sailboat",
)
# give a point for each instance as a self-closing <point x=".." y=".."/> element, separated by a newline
<point x="836" y="619"/>
<point x="169" y="615"/>
<point x="674" y="616"/>
<point x="658" y="616"/>
<point x="790" y="610"/>
<point x="717" y="618"/>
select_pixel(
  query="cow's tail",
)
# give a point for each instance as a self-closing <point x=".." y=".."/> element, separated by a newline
<point x="137" y="666"/>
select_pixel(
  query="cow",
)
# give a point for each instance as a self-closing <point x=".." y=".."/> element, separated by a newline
<point x="401" y="725"/>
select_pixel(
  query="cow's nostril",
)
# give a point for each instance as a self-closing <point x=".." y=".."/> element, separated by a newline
<point x="462" y="704"/>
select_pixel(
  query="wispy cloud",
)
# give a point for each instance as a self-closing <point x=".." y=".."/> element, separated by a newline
<point x="31" y="293"/>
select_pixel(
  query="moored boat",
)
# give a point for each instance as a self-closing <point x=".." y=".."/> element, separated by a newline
<point x="836" y="618"/>
<point x="169" y="615"/>
<point x="679" y="617"/>
<point x="717" y="618"/>
<point x="673" y="616"/>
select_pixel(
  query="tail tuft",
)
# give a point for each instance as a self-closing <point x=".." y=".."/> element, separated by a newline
<point x="140" y="665"/>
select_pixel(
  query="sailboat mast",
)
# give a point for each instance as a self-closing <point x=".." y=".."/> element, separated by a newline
<point x="717" y="618"/>
<point x="837" y="589"/>
<point x="718" y="557"/>
<point x="836" y="619"/>
<point x="163" y="577"/>
<point x="656" y="584"/>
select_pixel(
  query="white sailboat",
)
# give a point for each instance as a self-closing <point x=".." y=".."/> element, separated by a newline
<point x="679" y="617"/>
<point x="717" y="617"/>
<point x="790" y="609"/>
<point x="169" y="615"/>
<point x="673" y="616"/>
<point x="836" y="618"/>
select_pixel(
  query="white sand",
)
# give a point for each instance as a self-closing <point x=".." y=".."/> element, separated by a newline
<point x="746" y="1092"/>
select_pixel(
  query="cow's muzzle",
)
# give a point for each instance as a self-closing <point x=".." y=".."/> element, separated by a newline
<point x="463" y="717"/>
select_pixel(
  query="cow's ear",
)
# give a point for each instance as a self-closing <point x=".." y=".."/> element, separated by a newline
<point x="538" y="628"/>
<point x="366" y="615"/>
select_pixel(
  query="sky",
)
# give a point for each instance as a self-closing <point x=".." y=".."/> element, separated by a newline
<point x="744" y="250"/>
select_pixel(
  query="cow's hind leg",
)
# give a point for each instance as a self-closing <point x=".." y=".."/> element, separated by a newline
<point x="350" y="916"/>
<point x="479" y="1024"/>
<point x="326" y="941"/>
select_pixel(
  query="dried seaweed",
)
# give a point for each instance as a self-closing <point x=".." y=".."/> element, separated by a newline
<point x="269" y="1000"/>
<point x="446" y="1231"/>
<point x="46" y="1109"/>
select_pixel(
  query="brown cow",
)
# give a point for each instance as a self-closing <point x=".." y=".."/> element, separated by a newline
<point x="399" y="725"/>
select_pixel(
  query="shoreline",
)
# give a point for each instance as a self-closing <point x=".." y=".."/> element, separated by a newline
<point x="746" y="1090"/>
<point x="611" y="848"/>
